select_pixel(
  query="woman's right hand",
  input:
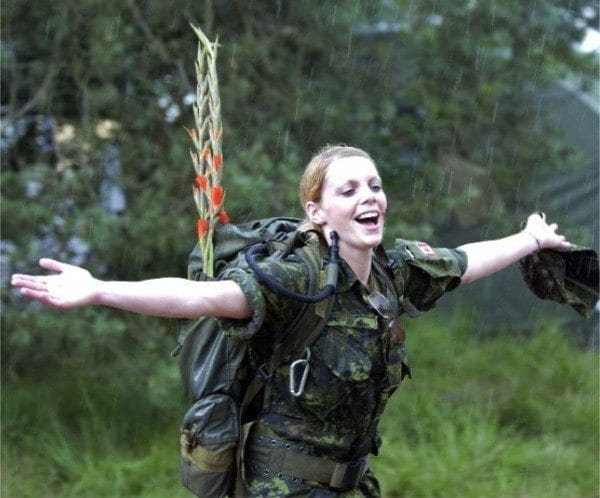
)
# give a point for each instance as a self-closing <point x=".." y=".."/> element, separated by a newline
<point x="70" y="287"/>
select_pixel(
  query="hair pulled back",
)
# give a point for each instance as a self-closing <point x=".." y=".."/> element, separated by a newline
<point x="311" y="184"/>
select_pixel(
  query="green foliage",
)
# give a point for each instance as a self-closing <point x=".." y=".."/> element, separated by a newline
<point x="508" y="416"/>
<point x="67" y="435"/>
<point x="505" y="416"/>
<point x="294" y="75"/>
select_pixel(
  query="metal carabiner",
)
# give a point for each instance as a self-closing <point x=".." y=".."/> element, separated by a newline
<point x="302" y="362"/>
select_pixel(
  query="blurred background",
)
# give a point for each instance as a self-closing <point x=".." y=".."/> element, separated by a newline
<point x="477" y="113"/>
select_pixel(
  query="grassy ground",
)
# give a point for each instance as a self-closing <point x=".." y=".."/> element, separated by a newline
<point x="504" y="417"/>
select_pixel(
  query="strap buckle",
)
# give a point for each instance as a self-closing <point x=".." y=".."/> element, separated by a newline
<point x="262" y="373"/>
<point x="348" y="475"/>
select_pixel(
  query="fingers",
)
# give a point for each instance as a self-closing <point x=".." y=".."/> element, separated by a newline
<point x="29" y="282"/>
<point x="53" y="264"/>
<point x="32" y="281"/>
<point x="40" y="295"/>
<point x="36" y="281"/>
<point x="40" y="289"/>
<point x="546" y="233"/>
<point x="536" y="215"/>
<point x="43" y="297"/>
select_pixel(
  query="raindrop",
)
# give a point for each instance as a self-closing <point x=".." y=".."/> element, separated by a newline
<point x="518" y="193"/>
<point x="310" y="78"/>
<point x="349" y="47"/>
<point x="297" y="108"/>
<point x="543" y="44"/>
<point x="117" y="25"/>
<point x="457" y="81"/>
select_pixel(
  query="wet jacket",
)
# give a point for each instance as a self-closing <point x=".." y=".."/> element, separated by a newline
<point x="356" y="362"/>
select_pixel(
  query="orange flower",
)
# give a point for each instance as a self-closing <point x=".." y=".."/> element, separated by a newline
<point x="202" y="228"/>
<point x="202" y="182"/>
<point x="206" y="153"/>
<point x="224" y="217"/>
<point x="217" y="161"/>
<point x="192" y="133"/>
<point x="217" y="196"/>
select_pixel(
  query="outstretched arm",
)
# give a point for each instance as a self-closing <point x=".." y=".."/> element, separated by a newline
<point x="490" y="256"/>
<point x="72" y="286"/>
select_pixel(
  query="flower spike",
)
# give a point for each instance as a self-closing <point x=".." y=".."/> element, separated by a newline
<point x="207" y="149"/>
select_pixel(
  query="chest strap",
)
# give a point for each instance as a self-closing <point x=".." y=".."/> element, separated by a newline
<point x="269" y="457"/>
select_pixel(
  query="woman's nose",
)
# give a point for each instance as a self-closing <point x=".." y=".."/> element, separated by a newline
<point x="367" y="195"/>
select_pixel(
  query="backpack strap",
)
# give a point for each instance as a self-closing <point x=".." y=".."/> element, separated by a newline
<point x="400" y="276"/>
<point x="296" y="337"/>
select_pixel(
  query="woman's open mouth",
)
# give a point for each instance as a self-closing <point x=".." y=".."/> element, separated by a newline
<point x="370" y="219"/>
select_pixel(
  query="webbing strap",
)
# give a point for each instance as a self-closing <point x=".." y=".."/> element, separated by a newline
<point x="269" y="456"/>
<point x="298" y="334"/>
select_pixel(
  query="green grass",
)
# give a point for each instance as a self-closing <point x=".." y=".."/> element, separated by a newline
<point x="504" y="417"/>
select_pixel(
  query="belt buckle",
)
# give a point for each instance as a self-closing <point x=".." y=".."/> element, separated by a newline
<point x="348" y="475"/>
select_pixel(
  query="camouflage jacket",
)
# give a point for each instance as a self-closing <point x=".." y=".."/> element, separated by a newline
<point x="359" y="358"/>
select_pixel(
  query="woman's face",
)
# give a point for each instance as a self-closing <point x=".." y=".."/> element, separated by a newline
<point x="352" y="203"/>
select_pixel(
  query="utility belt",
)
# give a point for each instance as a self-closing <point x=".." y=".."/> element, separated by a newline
<point x="269" y="456"/>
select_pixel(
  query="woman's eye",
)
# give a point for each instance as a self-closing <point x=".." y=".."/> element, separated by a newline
<point x="376" y="188"/>
<point x="348" y="192"/>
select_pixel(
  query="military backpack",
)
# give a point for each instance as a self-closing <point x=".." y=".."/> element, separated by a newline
<point x="217" y="378"/>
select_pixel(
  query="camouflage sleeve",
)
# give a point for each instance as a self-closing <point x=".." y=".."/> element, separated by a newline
<point x="269" y="308"/>
<point x="430" y="272"/>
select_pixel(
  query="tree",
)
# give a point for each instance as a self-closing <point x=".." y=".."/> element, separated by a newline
<point x="415" y="83"/>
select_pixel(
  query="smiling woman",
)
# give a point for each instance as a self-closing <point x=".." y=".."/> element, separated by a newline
<point x="320" y="438"/>
<point x="352" y="203"/>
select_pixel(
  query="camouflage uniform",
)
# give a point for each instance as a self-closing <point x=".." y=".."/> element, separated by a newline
<point x="356" y="363"/>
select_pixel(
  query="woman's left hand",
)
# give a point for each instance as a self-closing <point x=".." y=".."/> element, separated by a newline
<point x="545" y="234"/>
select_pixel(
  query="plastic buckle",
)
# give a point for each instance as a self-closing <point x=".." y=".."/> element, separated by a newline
<point x="262" y="373"/>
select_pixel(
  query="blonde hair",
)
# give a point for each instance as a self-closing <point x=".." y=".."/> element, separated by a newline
<point x="311" y="184"/>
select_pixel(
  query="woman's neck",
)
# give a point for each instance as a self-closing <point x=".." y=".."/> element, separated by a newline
<point x="360" y="262"/>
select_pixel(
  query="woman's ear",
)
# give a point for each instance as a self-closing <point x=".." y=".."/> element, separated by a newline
<point x="314" y="213"/>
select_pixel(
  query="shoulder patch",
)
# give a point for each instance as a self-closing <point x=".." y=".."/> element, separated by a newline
<point x="426" y="250"/>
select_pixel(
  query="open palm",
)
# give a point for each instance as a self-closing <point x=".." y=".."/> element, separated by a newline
<point x="71" y="286"/>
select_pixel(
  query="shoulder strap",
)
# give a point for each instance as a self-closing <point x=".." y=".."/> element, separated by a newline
<point x="297" y="335"/>
<point x="400" y="277"/>
<point x="300" y="332"/>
